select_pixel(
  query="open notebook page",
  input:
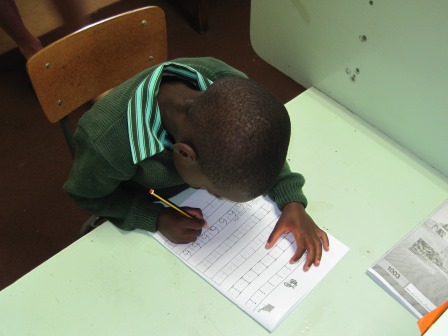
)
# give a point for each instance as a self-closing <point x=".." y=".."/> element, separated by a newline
<point x="231" y="256"/>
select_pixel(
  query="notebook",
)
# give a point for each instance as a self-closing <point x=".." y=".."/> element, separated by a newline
<point x="231" y="256"/>
<point x="415" y="271"/>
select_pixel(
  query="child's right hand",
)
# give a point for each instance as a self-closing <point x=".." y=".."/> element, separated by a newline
<point x="180" y="229"/>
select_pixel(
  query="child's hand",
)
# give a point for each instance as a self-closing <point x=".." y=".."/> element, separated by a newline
<point x="309" y="237"/>
<point x="180" y="229"/>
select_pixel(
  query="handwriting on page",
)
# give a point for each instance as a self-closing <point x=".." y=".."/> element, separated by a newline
<point x="232" y="257"/>
<point x="243" y="218"/>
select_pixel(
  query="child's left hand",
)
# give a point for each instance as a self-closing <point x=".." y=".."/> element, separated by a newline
<point x="309" y="237"/>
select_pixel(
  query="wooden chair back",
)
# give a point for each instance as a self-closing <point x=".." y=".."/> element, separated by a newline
<point x="77" y="68"/>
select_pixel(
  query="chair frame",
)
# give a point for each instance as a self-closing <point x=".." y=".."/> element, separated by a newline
<point x="74" y="70"/>
<point x="79" y="67"/>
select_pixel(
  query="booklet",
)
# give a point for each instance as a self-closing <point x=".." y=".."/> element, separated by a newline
<point x="415" y="271"/>
<point x="231" y="256"/>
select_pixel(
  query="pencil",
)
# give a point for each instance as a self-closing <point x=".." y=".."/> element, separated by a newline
<point x="175" y="207"/>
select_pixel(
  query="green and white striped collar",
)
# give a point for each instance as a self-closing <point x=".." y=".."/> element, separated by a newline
<point x="146" y="134"/>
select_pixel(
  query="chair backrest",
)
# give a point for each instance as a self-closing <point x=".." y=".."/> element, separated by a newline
<point x="73" y="70"/>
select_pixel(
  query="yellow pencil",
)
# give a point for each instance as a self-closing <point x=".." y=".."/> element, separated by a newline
<point x="152" y="192"/>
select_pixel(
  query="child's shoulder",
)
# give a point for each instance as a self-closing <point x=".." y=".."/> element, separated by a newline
<point x="210" y="67"/>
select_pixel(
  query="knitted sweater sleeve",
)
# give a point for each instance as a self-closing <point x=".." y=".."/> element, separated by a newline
<point x="97" y="186"/>
<point x="288" y="188"/>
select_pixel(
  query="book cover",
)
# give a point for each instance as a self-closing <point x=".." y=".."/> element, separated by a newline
<point x="415" y="271"/>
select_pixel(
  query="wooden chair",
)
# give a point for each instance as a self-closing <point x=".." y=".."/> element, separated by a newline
<point x="81" y="66"/>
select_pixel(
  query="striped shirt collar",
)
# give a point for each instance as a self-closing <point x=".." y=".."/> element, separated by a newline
<point x="146" y="134"/>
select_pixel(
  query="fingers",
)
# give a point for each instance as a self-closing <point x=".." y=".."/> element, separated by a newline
<point x="195" y="212"/>
<point x="302" y="247"/>
<point x="318" y="254"/>
<point x="313" y="251"/>
<point x="313" y="248"/>
<point x="297" y="255"/>
<point x="274" y="236"/>
<point x="178" y="228"/>
<point x="186" y="231"/>
<point x="324" y="238"/>
<point x="188" y="236"/>
<point x="192" y="224"/>
<point x="314" y="257"/>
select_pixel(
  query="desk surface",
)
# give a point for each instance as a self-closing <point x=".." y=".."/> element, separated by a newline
<point x="363" y="189"/>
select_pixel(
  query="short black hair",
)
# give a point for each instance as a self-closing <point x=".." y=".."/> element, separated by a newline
<point x="241" y="135"/>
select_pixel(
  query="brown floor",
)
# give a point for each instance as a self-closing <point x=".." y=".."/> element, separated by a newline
<point x="38" y="219"/>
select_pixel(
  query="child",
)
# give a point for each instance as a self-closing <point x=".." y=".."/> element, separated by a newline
<point x="71" y="11"/>
<point x="191" y="122"/>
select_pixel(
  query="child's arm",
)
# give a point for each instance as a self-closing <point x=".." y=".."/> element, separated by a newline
<point x="97" y="186"/>
<point x="287" y="194"/>
<point x="308" y="236"/>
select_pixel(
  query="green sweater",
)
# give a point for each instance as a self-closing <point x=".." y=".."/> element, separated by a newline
<point x="105" y="181"/>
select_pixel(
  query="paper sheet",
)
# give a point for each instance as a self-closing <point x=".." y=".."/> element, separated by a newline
<point x="231" y="256"/>
<point x="415" y="270"/>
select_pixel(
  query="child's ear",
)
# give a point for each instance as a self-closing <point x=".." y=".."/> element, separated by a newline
<point x="185" y="152"/>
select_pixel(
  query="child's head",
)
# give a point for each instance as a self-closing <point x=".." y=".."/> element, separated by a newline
<point x="240" y="135"/>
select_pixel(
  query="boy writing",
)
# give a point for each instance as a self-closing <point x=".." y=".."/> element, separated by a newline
<point x="191" y="122"/>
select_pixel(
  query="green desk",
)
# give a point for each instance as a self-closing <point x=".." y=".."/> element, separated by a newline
<point x="362" y="188"/>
